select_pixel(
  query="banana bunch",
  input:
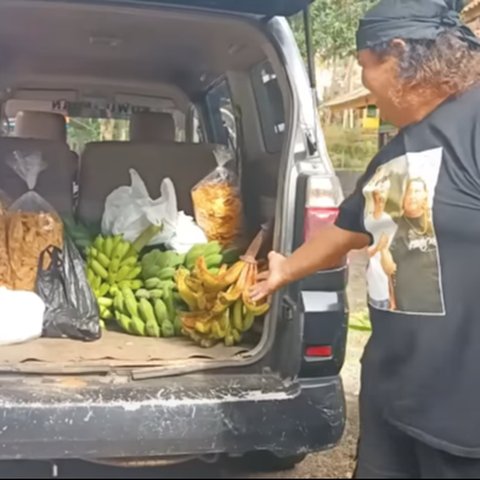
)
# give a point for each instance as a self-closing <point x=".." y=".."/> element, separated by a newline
<point x="113" y="264"/>
<point x="219" y="305"/>
<point x="155" y="316"/>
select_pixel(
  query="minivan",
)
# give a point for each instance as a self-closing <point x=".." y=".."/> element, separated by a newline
<point x="168" y="81"/>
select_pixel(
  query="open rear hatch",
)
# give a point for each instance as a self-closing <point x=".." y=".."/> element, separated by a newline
<point x="118" y="350"/>
<point x="270" y="8"/>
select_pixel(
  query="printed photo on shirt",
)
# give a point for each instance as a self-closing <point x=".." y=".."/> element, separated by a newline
<point x="403" y="272"/>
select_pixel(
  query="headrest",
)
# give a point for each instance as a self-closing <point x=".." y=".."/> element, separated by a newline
<point x="40" y="126"/>
<point x="152" y="127"/>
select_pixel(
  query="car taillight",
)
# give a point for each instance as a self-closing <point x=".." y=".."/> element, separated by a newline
<point x="321" y="203"/>
<point x="319" y="351"/>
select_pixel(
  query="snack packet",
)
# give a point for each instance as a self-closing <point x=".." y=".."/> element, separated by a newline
<point x="32" y="224"/>
<point x="217" y="202"/>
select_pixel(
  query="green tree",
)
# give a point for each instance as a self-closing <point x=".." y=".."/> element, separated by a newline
<point x="334" y="23"/>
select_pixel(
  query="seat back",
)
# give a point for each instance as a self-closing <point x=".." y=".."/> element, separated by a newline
<point x="54" y="184"/>
<point x="105" y="167"/>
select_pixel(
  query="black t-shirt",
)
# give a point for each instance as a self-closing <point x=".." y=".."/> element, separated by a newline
<point x="424" y="353"/>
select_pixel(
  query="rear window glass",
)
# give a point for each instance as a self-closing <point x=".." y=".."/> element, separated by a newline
<point x="270" y="106"/>
<point x="221" y="115"/>
<point x="81" y="131"/>
<point x="92" y="120"/>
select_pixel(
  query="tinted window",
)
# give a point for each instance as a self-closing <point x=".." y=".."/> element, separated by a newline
<point x="270" y="106"/>
<point x="221" y="115"/>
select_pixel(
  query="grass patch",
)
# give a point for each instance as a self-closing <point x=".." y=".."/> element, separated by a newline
<point x="360" y="321"/>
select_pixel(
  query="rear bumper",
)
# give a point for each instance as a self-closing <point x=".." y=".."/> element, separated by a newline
<point x="214" y="414"/>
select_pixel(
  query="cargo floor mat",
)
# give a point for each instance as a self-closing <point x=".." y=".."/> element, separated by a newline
<point x="112" y="350"/>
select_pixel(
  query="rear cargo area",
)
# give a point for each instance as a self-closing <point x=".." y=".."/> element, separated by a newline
<point x="114" y="349"/>
<point x="98" y="92"/>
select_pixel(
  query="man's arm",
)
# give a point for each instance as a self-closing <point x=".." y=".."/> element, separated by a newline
<point x="323" y="251"/>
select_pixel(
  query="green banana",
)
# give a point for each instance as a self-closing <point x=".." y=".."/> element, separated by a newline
<point x="212" y="248"/>
<point x="105" y="302"/>
<point x="217" y="332"/>
<point x="138" y="327"/>
<point x="177" y="325"/>
<point x="99" y="269"/>
<point x="230" y="256"/>
<point x="237" y="315"/>
<point x="168" y="329"/>
<point x="119" y="302"/>
<point x="168" y="299"/>
<point x="124" y="322"/>
<point x="145" y="310"/>
<point x="237" y="336"/>
<point x="152" y="329"/>
<point x="131" y="304"/>
<point x="103" y="260"/>
<point x="192" y="255"/>
<point x="152" y="283"/>
<point x="214" y="260"/>
<point x="167" y="273"/>
<point x="113" y="290"/>
<point x="133" y="273"/>
<point x="156" y="293"/>
<point x="248" y="322"/>
<point x="123" y="273"/>
<point x="130" y="261"/>
<point x="98" y="243"/>
<point x="170" y="284"/>
<point x="142" y="293"/>
<point x="161" y="312"/>
<point x="131" y="284"/>
<point x="90" y="276"/>
<point x="108" y="247"/>
<point x="106" y="314"/>
<point x="229" y="340"/>
<point x="120" y="250"/>
<point x="97" y="283"/>
<point x="103" y="289"/>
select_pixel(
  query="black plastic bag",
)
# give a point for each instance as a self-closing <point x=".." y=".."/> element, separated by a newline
<point x="71" y="308"/>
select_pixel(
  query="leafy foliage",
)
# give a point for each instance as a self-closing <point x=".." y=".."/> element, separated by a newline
<point x="351" y="149"/>
<point x="360" y="321"/>
<point x="334" y="24"/>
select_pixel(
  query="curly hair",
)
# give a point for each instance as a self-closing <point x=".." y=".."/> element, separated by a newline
<point x="448" y="65"/>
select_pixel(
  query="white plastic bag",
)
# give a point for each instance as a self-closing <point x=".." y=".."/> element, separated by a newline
<point x="130" y="210"/>
<point x="22" y="316"/>
<point x="187" y="234"/>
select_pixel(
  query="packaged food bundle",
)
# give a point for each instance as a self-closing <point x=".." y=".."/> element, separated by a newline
<point x="217" y="202"/>
<point x="32" y="224"/>
<point x="5" y="275"/>
<point x="29" y="234"/>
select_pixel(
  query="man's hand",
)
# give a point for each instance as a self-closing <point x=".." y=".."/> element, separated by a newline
<point x="272" y="280"/>
<point x="324" y="251"/>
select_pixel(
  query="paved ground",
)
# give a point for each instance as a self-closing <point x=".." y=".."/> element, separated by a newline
<point x="337" y="463"/>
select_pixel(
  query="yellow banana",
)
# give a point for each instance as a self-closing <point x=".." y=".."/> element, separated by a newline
<point x="237" y="315"/>
<point x="187" y="295"/>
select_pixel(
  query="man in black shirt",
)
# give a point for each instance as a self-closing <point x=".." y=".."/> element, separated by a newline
<point x="420" y="397"/>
